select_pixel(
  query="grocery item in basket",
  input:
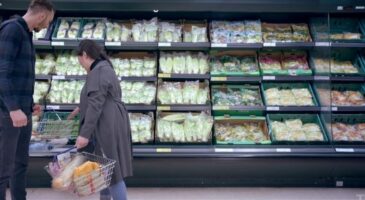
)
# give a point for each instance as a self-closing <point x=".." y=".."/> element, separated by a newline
<point x="348" y="132"/>
<point x="64" y="180"/>
<point x="296" y="130"/>
<point x="347" y="98"/>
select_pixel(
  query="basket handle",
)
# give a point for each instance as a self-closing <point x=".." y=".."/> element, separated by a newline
<point x="65" y="151"/>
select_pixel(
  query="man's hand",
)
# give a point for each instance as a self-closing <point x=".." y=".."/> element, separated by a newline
<point x="19" y="118"/>
<point x="81" y="142"/>
<point x="37" y="109"/>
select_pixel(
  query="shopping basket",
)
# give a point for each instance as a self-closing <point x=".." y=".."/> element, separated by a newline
<point x="54" y="126"/>
<point x="90" y="182"/>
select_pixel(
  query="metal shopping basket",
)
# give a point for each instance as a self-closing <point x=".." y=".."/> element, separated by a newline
<point x="54" y="125"/>
<point x="88" y="183"/>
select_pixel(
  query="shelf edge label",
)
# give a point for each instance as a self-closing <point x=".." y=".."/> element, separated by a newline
<point x="57" y="43"/>
<point x="219" y="45"/>
<point x="273" y="108"/>
<point x="268" y="78"/>
<point x="283" y="150"/>
<point x="269" y="44"/>
<point x="219" y="78"/>
<point x="322" y="44"/>
<point x="164" y="75"/>
<point x="334" y="109"/>
<point x="223" y="150"/>
<point x="163" y="108"/>
<point x="359" y="7"/>
<point x="220" y="107"/>
<point x="345" y="150"/>
<point x="164" y="44"/>
<point x="320" y="78"/>
<point x="58" y="77"/>
<point x="113" y="44"/>
<point x="53" y="107"/>
<point x="163" y="150"/>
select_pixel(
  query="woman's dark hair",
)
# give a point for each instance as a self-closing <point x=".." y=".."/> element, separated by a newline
<point x="93" y="50"/>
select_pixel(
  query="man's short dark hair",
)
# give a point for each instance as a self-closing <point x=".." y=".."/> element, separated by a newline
<point x="38" y="5"/>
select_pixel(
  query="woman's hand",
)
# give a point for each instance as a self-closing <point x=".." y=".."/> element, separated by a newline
<point x="73" y="114"/>
<point x="81" y="142"/>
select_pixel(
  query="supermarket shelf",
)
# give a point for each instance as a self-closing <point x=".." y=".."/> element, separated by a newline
<point x="42" y="44"/>
<point x="184" y="76"/>
<point x="199" y="46"/>
<point x="255" y="79"/>
<point x="348" y="78"/>
<point x="140" y="107"/>
<point x="351" y="109"/>
<point x="293" y="109"/>
<point x="232" y="151"/>
<point x="287" y="78"/>
<point x="61" y="106"/>
<point x="236" y="46"/>
<point x="153" y="78"/>
<point x="183" y="107"/>
<point x="42" y="77"/>
<point x="131" y="45"/>
<point x="348" y="44"/>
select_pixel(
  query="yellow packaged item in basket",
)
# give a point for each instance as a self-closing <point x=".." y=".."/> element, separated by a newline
<point x="86" y="168"/>
<point x="88" y="178"/>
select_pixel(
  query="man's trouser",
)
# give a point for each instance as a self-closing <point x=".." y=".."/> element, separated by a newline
<point x="14" y="153"/>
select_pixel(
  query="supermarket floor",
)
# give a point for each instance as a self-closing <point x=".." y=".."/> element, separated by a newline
<point x="217" y="194"/>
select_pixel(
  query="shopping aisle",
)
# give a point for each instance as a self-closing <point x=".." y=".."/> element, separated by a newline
<point x="217" y="194"/>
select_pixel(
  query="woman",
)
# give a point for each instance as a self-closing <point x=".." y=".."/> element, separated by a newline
<point x="103" y="117"/>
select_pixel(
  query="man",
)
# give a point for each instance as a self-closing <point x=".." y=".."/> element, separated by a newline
<point x="17" y="61"/>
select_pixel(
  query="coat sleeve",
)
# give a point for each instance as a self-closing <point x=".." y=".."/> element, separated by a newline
<point x="97" y="90"/>
<point x="10" y="42"/>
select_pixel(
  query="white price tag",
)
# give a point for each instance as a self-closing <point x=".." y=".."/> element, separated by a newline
<point x="219" y="45"/>
<point x="53" y="107"/>
<point x="56" y="43"/>
<point x="119" y="78"/>
<point x="273" y="108"/>
<point x="334" y="109"/>
<point x="58" y="77"/>
<point x="268" y="77"/>
<point x="283" y="150"/>
<point x="345" y="150"/>
<point x="322" y="78"/>
<point x="322" y="44"/>
<point x="269" y="44"/>
<point x="164" y="44"/>
<point x="113" y="44"/>
<point x="324" y="109"/>
<point x="359" y="7"/>
<point x="292" y="72"/>
<point x="339" y="7"/>
<point x="223" y="150"/>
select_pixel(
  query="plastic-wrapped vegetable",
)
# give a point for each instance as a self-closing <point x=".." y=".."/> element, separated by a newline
<point x="45" y="64"/>
<point x="184" y="63"/>
<point x="67" y="92"/>
<point x="145" y="31"/>
<point x="170" y="32"/>
<point x="138" y="92"/>
<point x="139" y="67"/>
<point x="184" y="127"/>
<point x="141" y="127"/>
<point x="182" y="93"/>
<point x="40" y="91"/>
